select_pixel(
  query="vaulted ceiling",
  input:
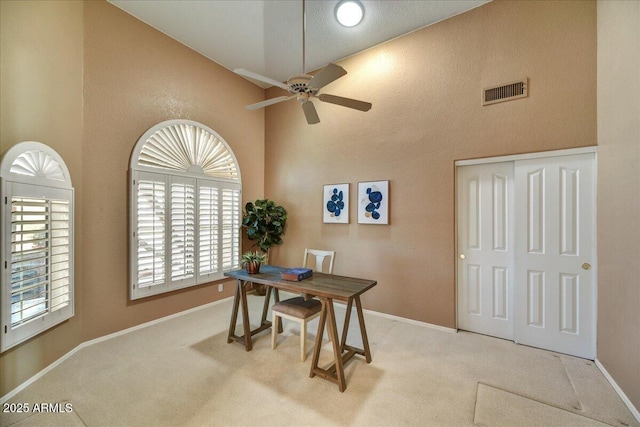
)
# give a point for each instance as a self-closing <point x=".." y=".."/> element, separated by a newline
<point x="266" y="36"/>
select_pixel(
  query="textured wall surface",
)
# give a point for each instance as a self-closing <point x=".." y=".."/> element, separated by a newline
<point x="619" y="193"/>
<point x="89" y="80"/>
<point x="426" y="90"/>
<point x="41" y="100"/>
<point x="134" y="78"/>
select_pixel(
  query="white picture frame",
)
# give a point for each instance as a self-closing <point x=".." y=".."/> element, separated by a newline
<point x="373" y="202"/>
<point x="335" y="204"/>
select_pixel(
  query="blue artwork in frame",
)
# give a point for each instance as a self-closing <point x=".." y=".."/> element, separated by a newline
<point x="335" y="204"/>
<point x="373" y="202"/>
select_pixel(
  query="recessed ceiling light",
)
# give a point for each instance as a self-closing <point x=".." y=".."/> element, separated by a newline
<point x="349" y="12"/>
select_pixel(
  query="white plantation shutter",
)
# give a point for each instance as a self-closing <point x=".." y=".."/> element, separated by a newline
<point x="37" y="242"/>
<point x="209" y="224"/>
<point x="230" y="228"/>
<point x="60" y="254"/>
<point x="30" y="259"/>
<point x="150" y="230"/>
<point x="40" y="256"/>
<point x="185" y="208"/>
<point x="182" y="145"/>
<point x="183" y="229"/>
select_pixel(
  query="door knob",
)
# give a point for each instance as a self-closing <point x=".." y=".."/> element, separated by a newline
<point x="462" y="256"/>
<point x="586" y="266"/>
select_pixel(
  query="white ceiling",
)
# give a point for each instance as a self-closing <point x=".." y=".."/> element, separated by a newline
<point x="265" y="36"/>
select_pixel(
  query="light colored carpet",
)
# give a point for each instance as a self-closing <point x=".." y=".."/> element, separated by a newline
<point x="500" y="408"/>
<point x="182" y="372"/>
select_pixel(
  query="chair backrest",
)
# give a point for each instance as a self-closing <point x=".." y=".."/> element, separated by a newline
<point x="320" y="256"/>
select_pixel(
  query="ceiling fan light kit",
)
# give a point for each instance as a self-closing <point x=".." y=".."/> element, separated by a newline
<point x="349" y="13"/>
<point x="304" y="87"/>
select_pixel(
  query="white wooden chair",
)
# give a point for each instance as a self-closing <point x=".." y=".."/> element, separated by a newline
<point x="320" y="256"/>
<point x="297" y="308"/>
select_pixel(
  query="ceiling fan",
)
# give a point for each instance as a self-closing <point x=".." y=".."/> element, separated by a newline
<point x="304" y="87"/>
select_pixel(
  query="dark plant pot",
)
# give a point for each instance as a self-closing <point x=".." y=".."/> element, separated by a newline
<point x="252" y="267"/>
<point x="260" y="289"/>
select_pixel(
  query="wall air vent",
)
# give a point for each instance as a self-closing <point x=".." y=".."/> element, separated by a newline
<point x="507" y="92"/>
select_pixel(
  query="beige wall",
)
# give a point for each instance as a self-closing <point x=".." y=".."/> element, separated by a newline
<point x="41" y="100"/>
<point x="425" y="89"/>
<point x="619" y="193"/>
<point x="136" y="77"/>
<point x="132" y="77"/>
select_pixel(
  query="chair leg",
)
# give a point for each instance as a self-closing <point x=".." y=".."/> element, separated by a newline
<point x="303" y="340"/>
<point x="274" y="330"/>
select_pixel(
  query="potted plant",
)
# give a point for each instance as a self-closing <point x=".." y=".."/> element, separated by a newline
<point x="252" y="261"/>
<point x="265" y="222"/>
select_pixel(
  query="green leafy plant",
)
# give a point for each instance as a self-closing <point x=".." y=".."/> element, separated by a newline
<point x="265" y="222"/>
<point x="252" y="261"/>
<point x="253" y="257"/>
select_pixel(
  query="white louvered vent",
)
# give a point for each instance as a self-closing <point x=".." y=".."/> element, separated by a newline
<point x="38" y="163"/>
<point x="230" y="228"/>
<point x="209" y="226"/>
<point x="151" y="233"/>
<point x="36" y="242"/>
<point x="507" y="92"/>
<point x="186" y="196"/>
<point x="188" y="148"/>
<point x="183" y="230"/>
<point x="40" y="263"/>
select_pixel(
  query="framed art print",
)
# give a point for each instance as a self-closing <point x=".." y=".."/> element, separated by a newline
<point x="335" y="204"/>
<point x="373" y="202"/>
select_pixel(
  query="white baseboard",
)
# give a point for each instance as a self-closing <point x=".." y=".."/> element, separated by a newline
<point x="618" y="390"/>
<point x="341" y="304"/>
<point x="387" y="316"/>
<point x="410" y="321"/>
<point x="6" y="397"/>
<point x="153" y="322"/>
<point x="40" y="374"/>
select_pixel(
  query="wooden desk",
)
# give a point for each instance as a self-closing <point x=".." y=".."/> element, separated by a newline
<point x="327" y="287"/>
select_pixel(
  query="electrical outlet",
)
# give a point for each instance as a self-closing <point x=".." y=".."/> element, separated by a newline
<point x="220" y="287"/>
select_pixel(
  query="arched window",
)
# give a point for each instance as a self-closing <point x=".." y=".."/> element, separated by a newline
<point x="185" y="208"/>
<point x="36" y="243"/>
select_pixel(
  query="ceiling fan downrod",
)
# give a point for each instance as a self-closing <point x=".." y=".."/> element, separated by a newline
<point x="304" y="87"/>
<point x="304" y="32"/>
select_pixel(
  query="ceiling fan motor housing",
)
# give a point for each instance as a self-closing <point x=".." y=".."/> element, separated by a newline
<point x="300" y="84"/>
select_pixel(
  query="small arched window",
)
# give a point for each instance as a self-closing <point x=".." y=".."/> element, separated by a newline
<point x="185" y="208"/>
<point x="37" y="242"/>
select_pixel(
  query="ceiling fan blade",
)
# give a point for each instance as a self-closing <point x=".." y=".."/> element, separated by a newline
<point x="310" y="113"/>
<point x="261" y="78"/>
<point x="268" y="102"/>
<point x="345" y="102"/>
<point x="328" y="74"/>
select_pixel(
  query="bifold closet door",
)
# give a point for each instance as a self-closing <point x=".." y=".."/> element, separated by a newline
<point x="485" y="247"/>
<point x="554" y="254"/>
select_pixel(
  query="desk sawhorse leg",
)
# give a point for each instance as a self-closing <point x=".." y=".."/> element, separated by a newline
<point x="241" y="299"/>
<point x="342" y="352"/>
